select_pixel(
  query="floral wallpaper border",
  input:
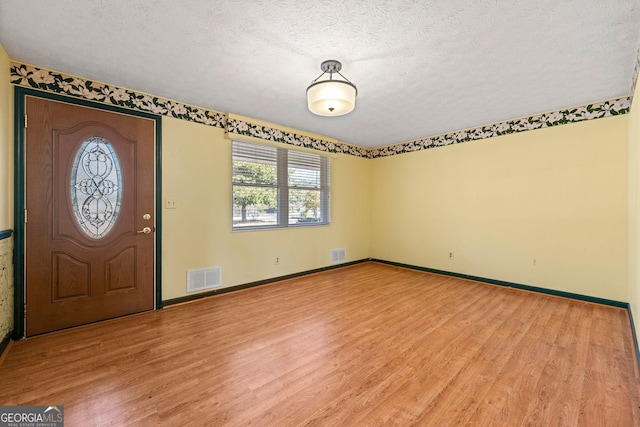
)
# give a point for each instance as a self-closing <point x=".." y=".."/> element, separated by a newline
<point x="609" y="108"/>
<point x="52" y="81"/>
<point x="242" y="127"/>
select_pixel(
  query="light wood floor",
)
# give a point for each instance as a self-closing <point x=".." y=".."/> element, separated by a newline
<point x="368" y="344"/>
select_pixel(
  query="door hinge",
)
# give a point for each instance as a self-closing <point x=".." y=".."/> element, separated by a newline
<point x="25" y="120"/>
<point x="25" y="310"/>
<point x="25" y="216"/>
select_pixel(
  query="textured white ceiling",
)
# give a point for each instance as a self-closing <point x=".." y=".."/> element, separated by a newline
<point x="422" y="68"/>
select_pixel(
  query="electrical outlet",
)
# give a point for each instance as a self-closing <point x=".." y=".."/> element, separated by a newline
<point x="450" y="255"/>
<point x="170" y="203"/>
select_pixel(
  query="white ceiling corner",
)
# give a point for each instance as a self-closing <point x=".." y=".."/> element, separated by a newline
<point x="422" y="68"/>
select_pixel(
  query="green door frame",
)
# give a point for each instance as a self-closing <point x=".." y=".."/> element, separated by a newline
<point x="20" y="94"/>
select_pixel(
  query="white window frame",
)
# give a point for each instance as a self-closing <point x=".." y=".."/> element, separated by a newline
<point x="282" y="157"/>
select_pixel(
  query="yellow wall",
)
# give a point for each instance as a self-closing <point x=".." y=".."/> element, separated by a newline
<point x="196" y="172"/>
<point x="6" y="196"/>
<point x="6" y="144"/>
<point x="634" y="209"/>
<point x="545" y="208"/>
<point x="556" y="195"/>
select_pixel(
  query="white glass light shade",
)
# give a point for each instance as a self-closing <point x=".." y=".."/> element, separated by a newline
<point x="331" y="97"/>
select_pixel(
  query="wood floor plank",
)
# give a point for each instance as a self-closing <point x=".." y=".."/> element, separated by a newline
<point x="570" y="352"/>
<point x="369" y="344"/>
<point x="550" y="387"/>
<point x="490" y="348"/>
<point x="510" y="393"/>
<point x="363" y="364"/>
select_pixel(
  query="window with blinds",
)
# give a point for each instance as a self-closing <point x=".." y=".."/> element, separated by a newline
<point x="276" y="187"/>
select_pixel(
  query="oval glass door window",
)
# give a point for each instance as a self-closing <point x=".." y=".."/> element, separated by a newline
<point x="96" y="187"/>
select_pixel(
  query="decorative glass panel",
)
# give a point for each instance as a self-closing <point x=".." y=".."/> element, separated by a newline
<point x="96" y="187"/>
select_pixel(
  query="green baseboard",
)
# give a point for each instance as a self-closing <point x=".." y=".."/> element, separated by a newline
<point x="570" y="295"/>
<point x="613" y="303"/>
<point x="4" y="343"/>
<point x="580" y="297"/>
<point x="213" y="292"/>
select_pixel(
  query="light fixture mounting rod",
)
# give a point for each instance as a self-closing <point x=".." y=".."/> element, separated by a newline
<point x="331" y="66"/>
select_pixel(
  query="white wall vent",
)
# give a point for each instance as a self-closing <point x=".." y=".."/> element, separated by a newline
<point x="206" y="278"/>
<point x="338" y="255"/>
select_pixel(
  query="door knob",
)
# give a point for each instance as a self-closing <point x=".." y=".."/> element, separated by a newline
<point x="145" y="230"/>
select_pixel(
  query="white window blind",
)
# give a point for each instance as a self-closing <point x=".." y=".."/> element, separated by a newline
<point x="278" y="187"/>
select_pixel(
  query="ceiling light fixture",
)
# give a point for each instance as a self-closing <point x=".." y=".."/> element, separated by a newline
<point x="331" y="97"/>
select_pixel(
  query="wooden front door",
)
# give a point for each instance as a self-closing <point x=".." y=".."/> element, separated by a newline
<point x="89" y="231"/>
